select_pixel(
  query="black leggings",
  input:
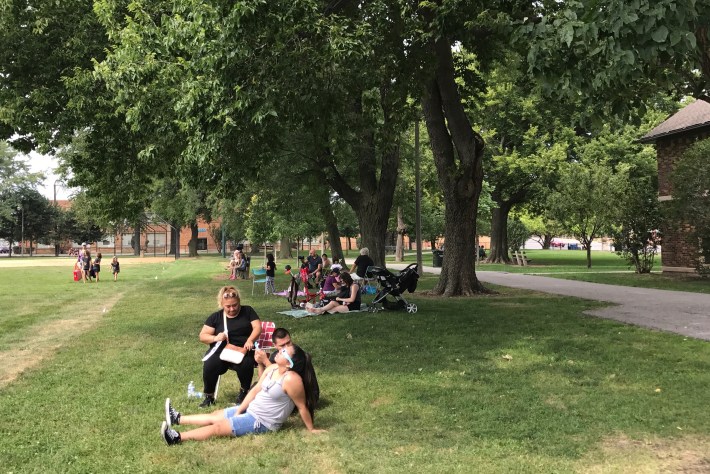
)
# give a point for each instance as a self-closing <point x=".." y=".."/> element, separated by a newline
<point x="213" y="367"/>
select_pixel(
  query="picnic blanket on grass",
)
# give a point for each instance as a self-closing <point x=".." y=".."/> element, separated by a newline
<point x="285" y="293"/>
<point x="302" y="313"/>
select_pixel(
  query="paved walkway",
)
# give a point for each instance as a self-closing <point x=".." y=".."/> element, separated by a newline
<point x="680" y="312"/>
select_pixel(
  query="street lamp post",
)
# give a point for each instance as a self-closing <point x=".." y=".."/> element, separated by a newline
<point x="56" y="225"/>
<point x="22" y="231"/>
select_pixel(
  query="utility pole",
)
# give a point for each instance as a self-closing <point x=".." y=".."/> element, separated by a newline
<point x="418" y="191"/>
<point x="22" y="230"/>
<point x="56" y="226"/>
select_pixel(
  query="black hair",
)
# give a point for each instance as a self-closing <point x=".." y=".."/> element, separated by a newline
<point x="280" y="333"/>
<point x="270" y="257"/>
<point x="303" y="366"/>
<point x="324" y="255"/>
<point x="346" y="278"/>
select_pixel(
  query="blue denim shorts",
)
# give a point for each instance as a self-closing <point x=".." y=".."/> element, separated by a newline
<point x="244" y="423"/>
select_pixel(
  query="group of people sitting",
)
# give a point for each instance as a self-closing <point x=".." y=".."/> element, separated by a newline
<point x="339" y="294"/>
<point x="338" y="291"/>
<point x="287" y="379"/>
<point x="314" y="267"/>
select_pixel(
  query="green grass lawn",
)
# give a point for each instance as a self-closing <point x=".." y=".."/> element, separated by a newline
<point x="512" y="382"/>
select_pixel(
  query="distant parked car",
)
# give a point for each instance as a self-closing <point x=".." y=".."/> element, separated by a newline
<point x="4" y="249"/>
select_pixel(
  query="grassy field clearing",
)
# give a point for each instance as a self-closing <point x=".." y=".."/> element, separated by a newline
<point x="607" y="267"/>
<point x="512" y="382"/>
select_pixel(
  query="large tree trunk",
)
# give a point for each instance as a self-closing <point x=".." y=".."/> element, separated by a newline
<point x="137" y="239"/>
<point x="499" y="221"/>
<point x="285" y="248"/>
<point x="331" y="224"/>
<point x="192" y="245"/>
<point x="458" y="153"/>
<point x="546" y="241"/>
<point x="588" y="245"/>
<point x="373" y="217"/>
<point x="401" y="229"/>
<point x="174" y="238"/>
<point x="377" y="180"/>
<point x="499" y="234"/>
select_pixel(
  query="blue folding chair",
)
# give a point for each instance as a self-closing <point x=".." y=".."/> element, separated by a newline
<point x="258" y="272"/>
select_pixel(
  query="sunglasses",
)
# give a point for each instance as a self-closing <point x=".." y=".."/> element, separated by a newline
<point x="229" y="294"/>
<point x="288" y="357"/>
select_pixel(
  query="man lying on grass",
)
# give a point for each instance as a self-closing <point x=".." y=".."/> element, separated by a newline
<point x="285" y="384"/>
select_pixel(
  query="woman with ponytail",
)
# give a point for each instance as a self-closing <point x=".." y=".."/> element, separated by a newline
<point x="286" y="384"/>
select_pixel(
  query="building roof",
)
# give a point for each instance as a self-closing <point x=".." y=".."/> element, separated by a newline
<point x="690" y="117"/>
<point x="63" y="203"/>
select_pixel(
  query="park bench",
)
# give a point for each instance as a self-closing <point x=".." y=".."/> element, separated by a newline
<point x="521" y="259"/>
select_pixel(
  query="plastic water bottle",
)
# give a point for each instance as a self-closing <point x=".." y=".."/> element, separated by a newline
<point x="191" y="392"/>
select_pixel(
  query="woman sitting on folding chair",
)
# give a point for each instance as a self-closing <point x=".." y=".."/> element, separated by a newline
<point x="243" y="328"/>
<point x="284" y="385"/>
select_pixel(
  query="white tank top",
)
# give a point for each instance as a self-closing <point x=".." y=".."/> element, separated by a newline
<point x="271" y="406"/>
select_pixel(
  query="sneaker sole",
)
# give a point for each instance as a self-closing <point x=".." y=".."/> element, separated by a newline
<point x="167" y="412"/>
<point x="163" y="430"/>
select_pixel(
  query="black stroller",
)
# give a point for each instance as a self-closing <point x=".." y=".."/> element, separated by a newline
<point x="394" y="286"/>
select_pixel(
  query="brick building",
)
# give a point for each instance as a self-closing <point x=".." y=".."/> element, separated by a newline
<point x="154" y="241"/>
<point x="672" y="138"/>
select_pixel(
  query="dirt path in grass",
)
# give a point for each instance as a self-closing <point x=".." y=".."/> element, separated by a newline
<point x="45" y="338"/>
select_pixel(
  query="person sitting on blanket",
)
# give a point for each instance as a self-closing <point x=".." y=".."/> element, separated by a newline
<point x="331" y="286"/>
<point x="284" y="385"/>
<point x="348" y="298"/>
<point x="282" y="338"/>
<point x="329" y="289"/>
<point x="326" y="263"/>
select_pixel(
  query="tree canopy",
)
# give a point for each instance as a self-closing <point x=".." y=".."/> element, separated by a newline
<point x="203" y="96"/>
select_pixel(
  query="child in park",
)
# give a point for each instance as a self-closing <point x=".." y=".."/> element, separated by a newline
<point x="96" y="268"/>
<point x="115" y="268"/>
<point x="270" y="273"/>
<point x="233" y="268"/>
<point x="86" y="262"/>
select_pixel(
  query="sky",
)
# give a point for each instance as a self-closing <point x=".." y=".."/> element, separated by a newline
<point x="48" y="165"/>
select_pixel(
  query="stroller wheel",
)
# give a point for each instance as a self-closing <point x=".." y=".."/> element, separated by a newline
<point x="411" y="308"/>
